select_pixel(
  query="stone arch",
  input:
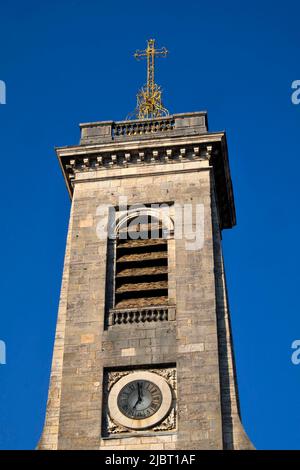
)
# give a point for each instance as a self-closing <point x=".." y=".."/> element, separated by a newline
<point x="155" y="213"/>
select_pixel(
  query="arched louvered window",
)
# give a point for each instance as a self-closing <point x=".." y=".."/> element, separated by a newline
<point x="140" y="286"/>
<point x="141" y="275"/>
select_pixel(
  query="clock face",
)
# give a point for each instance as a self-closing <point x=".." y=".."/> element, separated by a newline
<point x="139" y="399"/>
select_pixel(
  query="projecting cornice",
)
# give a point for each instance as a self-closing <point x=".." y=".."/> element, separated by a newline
<point x="156" y="146"/>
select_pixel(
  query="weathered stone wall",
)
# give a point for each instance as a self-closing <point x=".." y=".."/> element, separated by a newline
<point x="49" y="438"/>
<point x="234" y="436"/>
<point x="85" y="347"/>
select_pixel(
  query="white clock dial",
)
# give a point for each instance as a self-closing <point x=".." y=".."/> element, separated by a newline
<point x="139" y="400"/>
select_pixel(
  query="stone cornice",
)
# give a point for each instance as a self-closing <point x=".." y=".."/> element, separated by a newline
<point x="133" y="145"/>
<point x="106" y="158"/>
<point x="74" y="160"/>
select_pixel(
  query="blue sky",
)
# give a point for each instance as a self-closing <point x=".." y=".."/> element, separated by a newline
<point x="66" y="62"/>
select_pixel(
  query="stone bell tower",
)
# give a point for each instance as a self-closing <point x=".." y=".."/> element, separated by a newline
<point x="143" y="355"/>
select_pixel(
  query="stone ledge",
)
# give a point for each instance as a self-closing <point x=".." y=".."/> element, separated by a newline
<point x="176" y="124"/>
<point x="141" y="315"/>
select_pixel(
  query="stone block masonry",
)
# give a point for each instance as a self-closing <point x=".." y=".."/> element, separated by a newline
<point x="176" y="163"/>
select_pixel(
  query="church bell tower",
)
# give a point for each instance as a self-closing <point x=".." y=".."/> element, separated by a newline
<point x="143" y="354"/>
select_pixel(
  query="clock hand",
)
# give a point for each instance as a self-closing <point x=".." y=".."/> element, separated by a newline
<point x="139" y="396"/>
<point x="139" y="401"/>
<point x="139" y="392"/>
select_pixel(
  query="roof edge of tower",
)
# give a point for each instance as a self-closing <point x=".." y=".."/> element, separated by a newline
<point x="171" y="125"/>
<point x="111" y="156"/>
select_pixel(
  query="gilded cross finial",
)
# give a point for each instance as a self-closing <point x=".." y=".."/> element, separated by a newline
<point x="149" y="104"/>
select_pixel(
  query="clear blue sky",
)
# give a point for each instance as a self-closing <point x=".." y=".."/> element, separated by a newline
<point x="66" y="62"/>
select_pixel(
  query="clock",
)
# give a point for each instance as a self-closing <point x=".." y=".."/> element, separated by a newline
<point x="139" y="400"/>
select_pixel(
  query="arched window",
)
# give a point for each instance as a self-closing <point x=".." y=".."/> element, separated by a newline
<point x="141" y="277"/>
<point x="140" y="274"/>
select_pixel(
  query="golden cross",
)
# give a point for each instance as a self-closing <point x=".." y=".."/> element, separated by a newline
<point x="149" y="102"/>
<point x="150" y="54"/>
